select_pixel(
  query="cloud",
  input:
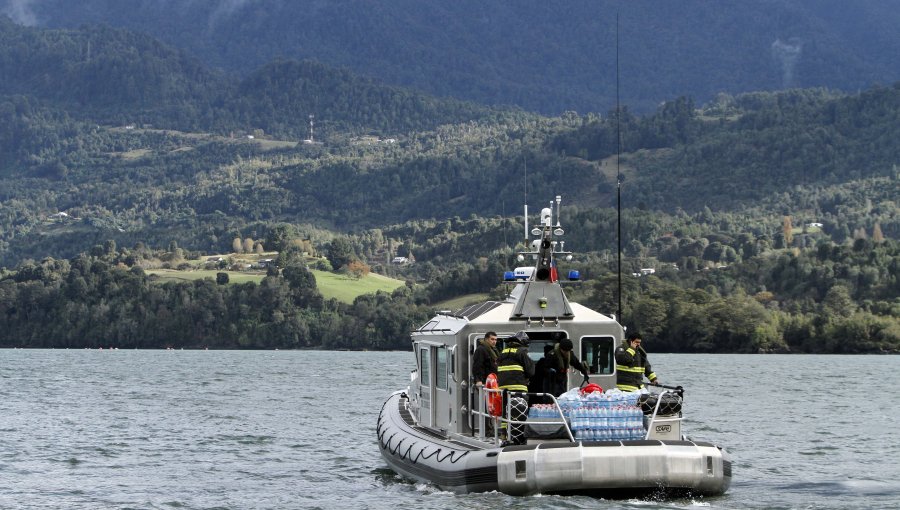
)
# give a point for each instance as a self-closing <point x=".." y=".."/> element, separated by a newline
<point x="787" y="54"/>
<point x="224" y="10"/>
<point x="20" y="12"/>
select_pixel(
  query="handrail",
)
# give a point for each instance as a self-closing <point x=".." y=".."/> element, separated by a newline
<point x="563" y="421"/>
<point x="504" y="419"/>
<point x="483" y="404"/>
<point x="655" y="410"/>
<point x="556" y="405"/>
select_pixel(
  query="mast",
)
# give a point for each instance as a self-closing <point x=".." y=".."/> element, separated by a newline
<point x="618" y="181"/>
<point x="525" y="164"/>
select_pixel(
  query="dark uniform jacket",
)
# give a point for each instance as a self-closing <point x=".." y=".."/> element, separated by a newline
<point x="558" y="367"/>
<point x="484" y="361"/>
<point x="631" y="367"/>
<point x="514" y="367"/>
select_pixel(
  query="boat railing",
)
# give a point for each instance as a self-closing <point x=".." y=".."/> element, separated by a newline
<point x="558" y="420"/>
<point x="652" y="420"/>
<point x="504" y="417"/>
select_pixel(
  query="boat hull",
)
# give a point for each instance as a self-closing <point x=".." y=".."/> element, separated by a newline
<point x="608" y="468"/>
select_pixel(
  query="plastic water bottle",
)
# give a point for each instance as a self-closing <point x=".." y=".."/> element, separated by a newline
<point x="619" y="422"/>
<point x="638" y="423"/>
<point x="611" y="423"/>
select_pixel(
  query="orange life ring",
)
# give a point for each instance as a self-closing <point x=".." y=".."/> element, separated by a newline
<point x="494" y="398"/>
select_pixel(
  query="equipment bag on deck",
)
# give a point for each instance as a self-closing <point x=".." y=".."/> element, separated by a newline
<point x="671" y="404"/>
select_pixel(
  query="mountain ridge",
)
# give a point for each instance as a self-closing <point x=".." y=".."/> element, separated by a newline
<point x="541" y="57"/>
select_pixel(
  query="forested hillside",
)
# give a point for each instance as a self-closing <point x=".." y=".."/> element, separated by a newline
<point x="120" y="78"/>
<point x="542" y="56"/>
<point x="770" y="219"/>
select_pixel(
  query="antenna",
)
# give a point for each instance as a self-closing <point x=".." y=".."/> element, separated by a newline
<point x="618" y="180"/>
<point x="525" y="163"/>
<point x="558" y="200"/>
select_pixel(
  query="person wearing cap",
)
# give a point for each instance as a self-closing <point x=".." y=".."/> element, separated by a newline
<point x="514" y="370"/>
<point x="632" y="364"/>
<point x="559" y="361"/>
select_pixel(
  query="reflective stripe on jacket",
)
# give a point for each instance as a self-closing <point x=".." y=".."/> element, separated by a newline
<point x="514" y="368"/>
<point x="631" y="367"/>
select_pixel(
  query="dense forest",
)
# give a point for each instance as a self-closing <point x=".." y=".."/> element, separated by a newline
<point x="770" y="219"/>
<point x="539" y="55"/>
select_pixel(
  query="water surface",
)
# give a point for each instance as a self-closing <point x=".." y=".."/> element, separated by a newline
<point x="88" y="429"/>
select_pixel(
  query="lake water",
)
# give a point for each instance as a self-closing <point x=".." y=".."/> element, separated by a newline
<point x="285" y="429"/>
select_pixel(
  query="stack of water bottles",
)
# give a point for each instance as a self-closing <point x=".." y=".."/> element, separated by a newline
<point x="543" y="412"/>
<point x="598" y="416"/>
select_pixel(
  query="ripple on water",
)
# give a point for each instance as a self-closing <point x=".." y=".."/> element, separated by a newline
<point x="232" y="429"/>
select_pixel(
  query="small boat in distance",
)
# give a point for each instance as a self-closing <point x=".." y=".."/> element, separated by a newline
<point x="441" y="430"/>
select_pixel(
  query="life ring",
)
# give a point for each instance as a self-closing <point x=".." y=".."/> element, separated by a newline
<point x="494" y="398"/>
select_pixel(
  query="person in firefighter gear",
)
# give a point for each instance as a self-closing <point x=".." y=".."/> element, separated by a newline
<point x="632" y="364"/>
<point x="514" y="369"/>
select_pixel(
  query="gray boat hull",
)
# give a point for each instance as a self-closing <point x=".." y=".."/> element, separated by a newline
<point x="609" y="468"/>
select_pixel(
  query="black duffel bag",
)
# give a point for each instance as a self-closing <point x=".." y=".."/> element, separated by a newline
<point x="670" y="404"/>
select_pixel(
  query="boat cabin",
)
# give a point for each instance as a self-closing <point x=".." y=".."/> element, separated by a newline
<point x="442" y="390"/>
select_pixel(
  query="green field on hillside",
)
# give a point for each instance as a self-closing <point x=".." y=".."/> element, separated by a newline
<point x="346" y="289"/>
<point x="331" y="285"/>
<point x="174" y="275"/>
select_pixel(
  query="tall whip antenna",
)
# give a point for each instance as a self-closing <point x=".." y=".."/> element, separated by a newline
<point x="618" y="179"/>
<point x="525" y="164"/>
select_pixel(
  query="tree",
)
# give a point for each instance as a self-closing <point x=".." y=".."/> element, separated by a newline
<point x="236" y="245"/>
<point x="838" y="302"/>
<point x="649" y="316"/>
<point x="340" y="252"/>
<point x="298" y="277"/>
<point x="357" y="269"/>
<point x="278" y="236"/>
<point x="877" y="235"/>
<point x="222" y="278"/>
<point x="788" y="231"/>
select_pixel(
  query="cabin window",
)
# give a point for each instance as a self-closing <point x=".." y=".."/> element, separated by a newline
<point x="597" y="353"/>
<point x="425" y="366"/>
<point x="542" y="341"/>
<point x="538" y="349"/>
<point x="441" y="370"/>
<point x="453" y="363"/>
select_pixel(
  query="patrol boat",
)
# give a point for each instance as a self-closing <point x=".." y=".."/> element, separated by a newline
<point x="443" y="429"/>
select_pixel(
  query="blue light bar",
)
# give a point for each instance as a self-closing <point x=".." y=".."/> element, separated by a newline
<point x="509" y="276"/>
<point x="574" y="275"/>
